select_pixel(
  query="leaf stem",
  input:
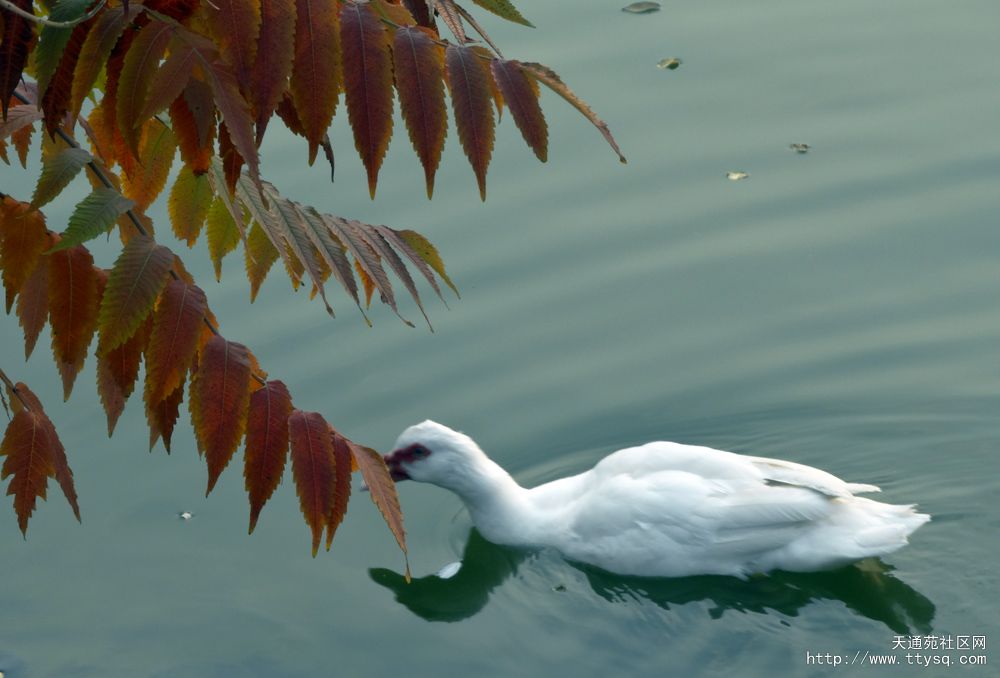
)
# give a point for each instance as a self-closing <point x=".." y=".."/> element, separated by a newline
<point x="13" y="389"/>
<point x="11" y="7"/>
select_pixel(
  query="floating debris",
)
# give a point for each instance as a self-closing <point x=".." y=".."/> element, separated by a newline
<point x="642" y="7"/>
<point x="185" y="515"/>
<point x="670" y="63"/>
<point x="737" y="176"/>
<point x="558" y="589"/>
<point x="449" y="570"/>
<point x="800" y="148"/>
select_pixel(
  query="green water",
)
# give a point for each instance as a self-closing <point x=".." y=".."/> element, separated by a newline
<point x="839" y="308"/>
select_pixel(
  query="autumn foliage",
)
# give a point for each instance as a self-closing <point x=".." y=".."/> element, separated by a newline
<point x="184" y="91"/>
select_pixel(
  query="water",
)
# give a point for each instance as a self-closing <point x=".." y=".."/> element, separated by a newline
<point x="839" y="308"/>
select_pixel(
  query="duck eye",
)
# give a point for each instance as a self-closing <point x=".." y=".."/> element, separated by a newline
<point x="419" y="452"/>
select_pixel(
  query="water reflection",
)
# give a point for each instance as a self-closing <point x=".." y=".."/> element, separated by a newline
<point x="867" y="588"/>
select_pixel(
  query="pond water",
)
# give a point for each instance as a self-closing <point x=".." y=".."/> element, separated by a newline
<point x="839" y="308"/>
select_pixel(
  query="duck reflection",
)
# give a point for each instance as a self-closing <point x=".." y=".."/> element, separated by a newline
<point x="868" y="588"/>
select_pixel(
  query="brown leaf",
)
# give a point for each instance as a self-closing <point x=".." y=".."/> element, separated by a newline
<point x="33" y="304"/>
<point x="260" y="256"/>
<point x="157" y="147"/>
<point x="192" y="116"/>
<point x="220" y="396"/>
<point x="141" y="62"/>
<point x="177" y="324"/>
<point x="139" y="275"/>
<point x="56" y="99"/>
<point x="521" y="94"/>
<point x="162" y="417"/>
<point x="188" y="204"/>
<point x="16" y="39"/>
<point x="367" y="85"/>
<point x="73" y="304"/>
<point x="471" y="102"/>
<point x="29" y="459"/>
<point x="267" y="444"/>
<point x="275" y="52"/>
<point x="382" y="490"/>
<point x="316" y="78"/>
<point x="234" y="25"/>
<point x="343" y="465"/>
<point x="117" y="371"/>
<point x="313" y="468"/>
<point x="101" y="38"/>
<point x="23" y="237"/>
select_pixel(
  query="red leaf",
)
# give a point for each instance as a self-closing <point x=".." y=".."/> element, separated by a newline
<point x="313" y="469"/>
<point x="275" y="53"/>
<point x="235" y="25"/>
<point x="157" y="147"/>
<point x="341" y="486"/>
<point x="220" y="395"/>
<point x="16" y="37"/>
<point x="23" y="237"/>
<point x="420" y="12"/>
<point x="140" y="64"/>
<point x="139" y="275"/>
<point x="73" y="303"/>
<point x="419" y="69"/>
<point x="267" y="444"/>
<point x="382" y="490"/>
<point x="471" y="101"/>
<point x="316" y="79"/>
<point x="162" y="417"/>
<point x="56" y="101"/>
<point x="521" y="94"/>
<point x="33" y="304"/>
<point x="117" y="371"/>
<point x="170" y="80"/>
<point x="232" y="161"/>
<point x="104" y="33"/>
<point x="194" y="126"/>
<point x="29" y="459"/>
<point x="177" y="324"/>
<point x="367" y="84"/>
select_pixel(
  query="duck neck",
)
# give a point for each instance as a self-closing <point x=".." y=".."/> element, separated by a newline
<point x="499" y="507"/>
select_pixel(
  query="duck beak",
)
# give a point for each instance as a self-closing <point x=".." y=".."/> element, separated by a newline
<point x="394" y="461"/>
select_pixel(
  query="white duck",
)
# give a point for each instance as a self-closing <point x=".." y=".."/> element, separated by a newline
<point x="665" y="509"/>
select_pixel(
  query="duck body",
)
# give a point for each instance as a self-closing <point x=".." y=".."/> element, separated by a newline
<point x="665" y="509"/>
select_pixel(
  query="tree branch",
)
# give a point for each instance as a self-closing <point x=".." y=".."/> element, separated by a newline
<point x="11" y="7"/>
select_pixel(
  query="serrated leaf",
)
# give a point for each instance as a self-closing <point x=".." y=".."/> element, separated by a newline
<point x="220" y="396"/>
<point x="33" y="304"/>
<point x="140" y="64"/>
<point x="291" y="222"/>
<point x="316" y="68"/>
<point x="504" y="9"/>
<point x="346" y="230"/>
<point x="342" y="466"/>
<point x="260" y="256"/>
<point x="101" y="38"/>
<point x="313" y="469"/>
<point x="192" y="116"/>
<point x="57" y="95"/>
<point x="471" y="101"/>
<point x="266" y="445"/>
<point x="162" y="417"/>
<point x="232" y="161"/>
<point x="419" y="72"/>
<point x="23" y="238"/>
<point x="235" y="25"/>
<point x="139" y="274"/>
<point x="170" y="80"/>
<point x="449" y="14"/>
<point x="18" y="118"/>
<point x="73" y="304"/>
<point x="275" y="54"/>
<point x="117" y="371"/>
<point x="330" y="248"/>
<point x="222" y="234"/>
<point x="188" y="204"/>
<point x="28" y="462"/>
<point x="93" y="216"/>
<point x="52" y="40"/>
<point x="177" y="324"/>
<point x="15" y="43"/>
<point x="426" y="251"/>
<point x="550" y="79"/>
<point x="57" y="172"/>
<point x="386" y="253"/>
<point x="367" y="85"/>
<point x="382" y="490"/>
<point x="421" y="13"/>
<point x="393" y="239"/>
<point x="520" y="92"/>
<point x="156" y="155"/>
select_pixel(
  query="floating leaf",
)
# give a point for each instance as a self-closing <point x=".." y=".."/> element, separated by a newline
<point x="139" y="274"/>
<point x="419" y="70"/>
<point x="33" y="304"/>
<point x="58" y="171"/>
<point x="641" y="7"/>
<point x="367" y="85"/>
<point x="177" y="324"/>
<point x="188" y="204"/>
<point x="275" y="52"/>
<point x="220" y="395"/>
<point x="737" y="175"/>
<point x="671" y="63"/>
<point x="23" y="237"/>
<point x="503" y="8"/>
<point x="267" y="444"/>
<point x="73" y="303"/>
<point x="15" y="43"/>
<point x="117" y="371"/>
<point x="313" y="469"/>
<point x="520" y="92"/>
<point x="471" y="102"/>
<point x="93" y="216"/>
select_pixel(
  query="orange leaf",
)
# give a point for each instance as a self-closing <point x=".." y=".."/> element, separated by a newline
<point x="170" y="80"/>
<point x="96" y="49"/>
<point x="29" y="460"/>
<point x="382" y="490"/>
<point x="162" y="417"/>
<point x="23" y="237"/>
<point x="117" y="371"/>
<point x="188" y="204"/>
<point x="316" y="79"/>
<point x="16" y="36"/>
<point x="521" y="94"/>
<point x="367" y="84"/>
<point x="341" y="486"/>
<point x="232" y="161"/>
<point x="235" y="25"/>
<point x="313" y="469"/>
<point x="139" y="275"/>
<point x="63" y="473"/>
<point x="33" y="304"/>
<point x="267" y="444"/>
<point x="419" y="68"/>
<point x="471" y="101"/>
<point x="141" y="62"/>
<point x="56" y="101"/>
<point x="73" y="303"/>
<point x="177" y="325"/>
<point x="260" y="256"/>
<point x="220" y="395"/>
<point x="192" y="116"/>
<point x="157" y="147"/>
<point x="275" y="52"/>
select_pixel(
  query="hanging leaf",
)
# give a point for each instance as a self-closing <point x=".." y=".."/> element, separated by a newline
<point x="170" y="80"/>
<point x="93" y="216"/>
<point x="222" y="234"/>
<point x="367" y="85"/>
<point x="550" y="79"/>
<point x="33" y="304"/>
<point x="275" y="52"/>
<point x="421" y="13"/>
<point x="449" y="14"/>
<point x="316" y="77"/>
<point x="364" y="257"/>
<point x="192" y="117"/>
<point x="57" y="95"/>
<point x="52" y="40"/>
<point x="73" y="303"/>
<point x="28" y="462"/>
<point x="392" y="237"/>
<point x="260" y="256"/>
<point x="342" y="466"/>
<point x="419" y="70"/>
<point x="188" y="204"/>
<point x="19" y="118"/>
<point x="140" y="64"/>
<point x="57" y="172"/>
<point x="162" y="417"/>
<point x="117" y="371"/>
<point x="471" y="102"/>
<point x="267" y="444"/>
<point x="503" y="8"/>
<point x="521" y="95"/>
<point x="15" y="43"/>
<point x="426" y="251"/>
<point x="177" y="324"/>
<point x="156" y="155"/>
<point x="386" y="253"/>
<point x="220" y="395"/>
<point x="101" y="38"/>
<point x="382" y="490"/>
<point x="330" y="249"/>
<point x="139" y="274"/>
<point x="23" y="237"/>
<point x="313" y="469"/>
<point x="235" y="25"/>
<point x="232" y="161"/>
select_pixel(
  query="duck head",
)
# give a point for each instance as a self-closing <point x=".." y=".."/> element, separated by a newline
<point x="432" y="453"/>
